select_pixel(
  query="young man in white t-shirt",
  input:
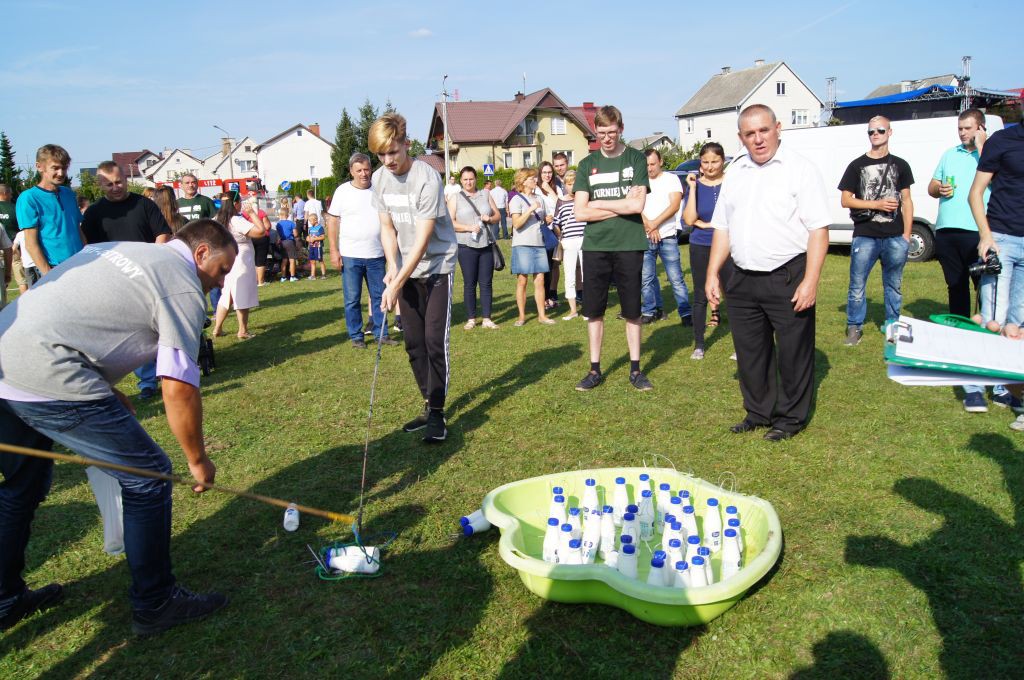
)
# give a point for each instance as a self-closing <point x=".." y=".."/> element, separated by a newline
<point x="353" y="232"/>
<point x="500" y="197"/>
<point x="313" y="206"/>
<point x="661" y="222"/>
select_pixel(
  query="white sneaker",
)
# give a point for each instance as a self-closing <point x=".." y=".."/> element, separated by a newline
<point x="1018" y="424"/>
<point x="733" y="357"/>
<point x="697" y="354"/>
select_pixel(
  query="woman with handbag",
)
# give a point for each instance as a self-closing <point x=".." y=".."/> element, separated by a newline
<point x="526" y="212"/>
<point x="471" y="212"/>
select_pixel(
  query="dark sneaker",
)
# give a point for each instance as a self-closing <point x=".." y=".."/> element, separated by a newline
<point x="1005" y="400"/>
<point x="359" y="344"/>
<point x="640" y="381"/>
<point x="686" y="321"/>
<point x="183" y="606"/>
<point x="436" y="430"/>
<point x="419" y="422"/>
<point x="589" y="382"/>
<point x="647" y="319"/>
<point x="370" y="329"/>
<point x="388" y="341"/>
<point x="32" y="601"/>
<point x="853" y="336"/>
<point x="975" y="403"/>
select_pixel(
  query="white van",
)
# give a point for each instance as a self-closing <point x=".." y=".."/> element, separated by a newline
<point x="919" y="142"/>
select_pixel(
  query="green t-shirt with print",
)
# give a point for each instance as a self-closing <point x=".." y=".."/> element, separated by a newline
<point x="197" y="207"/>
<point x="8" y="219"/>
<point x="611" y="179"/>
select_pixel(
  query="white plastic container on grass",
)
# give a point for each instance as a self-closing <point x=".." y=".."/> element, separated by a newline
<point x="291" y="518"/>
<point x="354" y="559"/>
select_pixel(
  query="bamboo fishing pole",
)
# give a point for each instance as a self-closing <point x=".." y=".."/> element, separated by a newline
<point x="177" y="479"/>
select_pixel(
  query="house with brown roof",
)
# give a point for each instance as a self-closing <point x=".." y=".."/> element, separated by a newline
<point x="517" y="133"/>
<point x="134" y="164"/>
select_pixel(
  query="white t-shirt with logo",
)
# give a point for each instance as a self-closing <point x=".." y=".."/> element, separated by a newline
<point x="657" y="202"/>
<point x="359" y="228"/>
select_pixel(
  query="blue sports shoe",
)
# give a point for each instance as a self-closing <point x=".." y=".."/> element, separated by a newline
<point x="1008" y="400"/>
<point x="975" y="403"/>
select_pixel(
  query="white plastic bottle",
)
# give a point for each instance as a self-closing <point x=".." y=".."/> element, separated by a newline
<point x="675" y="507"/>
<point x="291" y="518"/>
<point x="645" y="516"/>
<point x="575" y="557"/>
<point x="549" y="552"/>
<point x="574" y="520"/>
<point x="735" y="524"/>
<point x="611" y="559"/>
<point x="682" y="574"/>
<point x="662" y="506"/>
<point x="558" y="509"/>
<point x="698" y="578"/>
<point x="591" y="541"/>
<point x="675" y="551"/>
<point x="553" y="506"/>
<point x="564" y="536"/>
<point x="627" y="561"/>
<point x="666" y="574"/>
<point x="590" y="502"/>
<point x="626" y="539"/>
<point x="692" y="546"/>
<point x="620" y="499"/>
<point x="674" y="530"/>
<point x="689" y="520"/>
<point x="709" y="572"/>
<point x="474" y="523"/>
<point x="645" y="483"/>
<point x="731" y="512"/>
<point x="630" y="526"/>
<point x="607" y="533"/>
<point x="656" y="576"/>
<point x="730" y="555"/>
<point x="685" y="497"/>
<point x="713" y="526"/>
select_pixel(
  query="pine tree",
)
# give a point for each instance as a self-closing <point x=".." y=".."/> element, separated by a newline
<point x="388" y="106"/>
<point x="344" y="146"/>
<point x="367" y="114"/>
<point x="10" y="174"/>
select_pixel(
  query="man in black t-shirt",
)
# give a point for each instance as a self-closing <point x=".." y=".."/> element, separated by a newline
<point x="124" y="216"/>
<point x="876" y="189"/>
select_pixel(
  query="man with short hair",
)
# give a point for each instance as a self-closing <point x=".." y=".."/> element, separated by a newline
<point x="353" y="231"/>
<point x="48" y="212"/>
<point x="63" y="348"/>
<point x="609" y="195"/>
<point x="560" y="162"/>
<point x="778" y="255"/>
<point x="500" y="196"/>
<point x="192" y="205"/>
<point x="661" y="223"/>
<point x="876" y="189"/>
<point x="420" y="247"/>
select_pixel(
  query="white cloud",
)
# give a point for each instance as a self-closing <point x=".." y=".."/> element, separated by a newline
<point x="421" y="33"/>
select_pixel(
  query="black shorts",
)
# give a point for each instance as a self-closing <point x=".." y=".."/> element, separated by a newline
<point x="600" y="269"/>
<point x="261" y="248"/>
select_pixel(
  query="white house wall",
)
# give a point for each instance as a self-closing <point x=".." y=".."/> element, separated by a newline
<point x="797" y="97"/>
<point x="290" y="157"/>
<point x="723" y="131"/>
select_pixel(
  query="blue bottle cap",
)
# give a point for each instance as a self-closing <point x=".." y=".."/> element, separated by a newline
<point x="557" y="491"/>
<point x="609" y="509"/>
<point x="669" y="519"/>
<point x="644" y="477"/>
<point x="467" y="530"/>
<point x="575" y="543"/>
<point x="567" y="527"/>
<point x="632" y="508"/>
<point x="730" y="533"/>
<point x="712" y="502"/>
<point x="552" y="521"/>
<point x="675" y="500"/>
<point x="698" y="561"/>
<point x="687" y="509"/>
<point x="683" y="493"/>
<point x="681" y="565"/>
<point x="734" y="522"/>
<point x="703" y="552"/>
<point x="675" y="543"/>
<point x="660" y="554"/>
<point x="626" y="539"/>
<point x="664" y="486"/>
<point x="628" y="549"/>
<point x="693" y="540"/>
<point x="657" y="564"/>
<point x="574" y="512"/>
<point x="559" y="498"/>
<point x="677" y="526"/>
<point x="463" y="521"/>
<point x="629" y="517"/>
<point x="591" y="482"/>
<point x="646" y="493"/>
<point x="730" y="510"/>
<point x="620" y="480"/>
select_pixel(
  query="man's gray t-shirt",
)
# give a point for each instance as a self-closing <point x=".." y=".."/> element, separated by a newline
<point x="417" y="195"/>
<point x="99" y="315"/>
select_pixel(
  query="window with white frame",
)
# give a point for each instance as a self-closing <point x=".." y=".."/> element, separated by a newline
<point x="799" y="117"/>
<point x="507" y="160"/>
<point x="689" y="124"/>
<point x="558" y="126"/>
<point x="527" y="159"/>
<point x="780" y="88"/>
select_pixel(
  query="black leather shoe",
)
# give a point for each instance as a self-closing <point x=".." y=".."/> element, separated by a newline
<point x="777" y="435"/>
<point x="745" y="426"/>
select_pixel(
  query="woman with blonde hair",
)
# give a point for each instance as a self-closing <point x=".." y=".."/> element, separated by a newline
<point x="529" y="258"/>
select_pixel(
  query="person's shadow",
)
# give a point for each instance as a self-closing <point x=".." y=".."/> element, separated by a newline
<point x="969" y="568"/>
<point x="844" y="654"/>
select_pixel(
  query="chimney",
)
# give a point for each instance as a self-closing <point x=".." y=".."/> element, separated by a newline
<point x="226" y="145"/>
<point x="759" y="62"/>
<point x="588" y="105"/>
<point x="726" y="70"/>
<point x="519" y="97"/>
<point x="314" y="128"/>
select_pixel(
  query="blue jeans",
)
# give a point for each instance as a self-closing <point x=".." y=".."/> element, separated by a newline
<point x="1008" y="287"/>
<point x="503" y="214"/>
<point x="214" y="297"/>
<point x="650" y="291"/>
<point x="358" y="269"/>
<point x="147" y="376"/>
<point x="102" y="429"/>
<point x="864" y="252"/>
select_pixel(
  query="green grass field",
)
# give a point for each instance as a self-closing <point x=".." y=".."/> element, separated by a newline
<point x="901" y="512"/>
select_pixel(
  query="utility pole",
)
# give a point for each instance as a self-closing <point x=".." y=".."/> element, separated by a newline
<point x="444" y="124"/>
<point x="964" y="83"/>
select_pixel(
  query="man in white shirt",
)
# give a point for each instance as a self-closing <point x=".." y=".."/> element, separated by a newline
<point x="313" y="207"/>
<point x="353" y="232"/>
<point x="500" y="197"/>
<point x="772" y="216"/>
<point x="661" y="222"/>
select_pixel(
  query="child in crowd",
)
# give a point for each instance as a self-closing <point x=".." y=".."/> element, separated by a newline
<point x="316" y="247"/>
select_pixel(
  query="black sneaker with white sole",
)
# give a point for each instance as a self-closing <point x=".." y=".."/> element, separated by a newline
<point x="183" y="606"/>
<point x="419" y="422"/>
<point x="436" y="431"/>
<point x="30" y="602"/>
<point x="640" y="381"/>
<point x="589" y="382"/>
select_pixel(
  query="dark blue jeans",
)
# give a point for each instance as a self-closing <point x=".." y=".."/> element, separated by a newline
<point x="357" y="270"/>
<point x="477" y="268"/>
<point x="103" y="430"/>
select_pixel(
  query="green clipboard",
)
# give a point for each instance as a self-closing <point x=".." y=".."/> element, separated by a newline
<point x="901" y="332"/>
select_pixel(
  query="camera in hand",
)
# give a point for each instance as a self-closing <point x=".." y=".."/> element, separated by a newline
<point x="990" y="265"/>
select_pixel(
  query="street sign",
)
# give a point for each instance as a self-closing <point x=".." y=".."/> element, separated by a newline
<point x="488" y="169"/>
<point x="232" y="186"/>
<point x="286" y="185"/>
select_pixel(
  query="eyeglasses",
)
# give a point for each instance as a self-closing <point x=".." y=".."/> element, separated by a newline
<point x="614" y="133"/>
<point x="876" y="131"/>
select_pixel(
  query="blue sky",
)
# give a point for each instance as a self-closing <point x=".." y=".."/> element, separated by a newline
<point x="106" y="78"/>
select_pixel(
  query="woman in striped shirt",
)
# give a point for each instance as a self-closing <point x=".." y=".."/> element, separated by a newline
<point x="570" y="230"/>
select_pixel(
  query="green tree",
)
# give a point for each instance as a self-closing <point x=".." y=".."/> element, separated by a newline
<point x="367" y="114"/>
<point x="344" y="146"/>
<point x="88" y="187"/>
<point x="10" y="174"/>
<point x="416" y="148"/>
<point x="388" y="106"/>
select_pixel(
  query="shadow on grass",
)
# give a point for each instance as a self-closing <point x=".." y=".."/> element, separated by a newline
<point x="874" y="318"/>
<point x="922" y="308"/>
<point x="845" y="654"/>
<point x="969" y="568"/>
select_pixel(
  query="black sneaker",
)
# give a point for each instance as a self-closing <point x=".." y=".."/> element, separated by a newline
<point x="647" y="319"/>
<point x="589" y="382"/>
<point x="183" y="606"/>
<point x="436" y="430"/>
<point x="640" y="381"/>
<point x="686" y="321"/>
<point x="32" y="601"/>
<point x="359" y="344"/>
<point x="419" y="422"/>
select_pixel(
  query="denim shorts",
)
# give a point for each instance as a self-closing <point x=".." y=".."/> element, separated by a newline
<point x="529" y="260"/>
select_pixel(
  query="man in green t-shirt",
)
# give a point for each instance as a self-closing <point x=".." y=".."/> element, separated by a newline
<point x="192" y="205"/>
<point x="610" y="191"/>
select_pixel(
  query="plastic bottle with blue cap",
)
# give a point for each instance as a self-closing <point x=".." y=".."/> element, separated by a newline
<point x="575" y="556"/>
<point x="291" y="518"/>
<point x="735" y="524"/>
<point x="564" y="536"/>
<point x="553" y="506"/>
<point x="674" y="530"/>
<point x="627" y="561"/>
<point x="656" y="576"/>
<point x="474" y="523"/>
<point x="590" y="502"/>
<point x="645" y="515"/>
<point x="645" y="483"/>
<point x="731" y="512"/>
<point x="692" y="546"/>
<point x="591" y="541"/>
<point x="607" y="532"/>
<point x="664" y="499"/>
<point x="666" y="574"/>
<point x="675" y="551"/>
<point x="549" y="551"/>
<point x="685" y="497"/>
<point x="630" y="525"/>
<point x="574" y="520"/>
<point x="620" y="499"/>
<point x="698" y="575"/>
<point x="731" y="564"/>
<point x="681" y="577"/>
<point x="689" y="520"/>
<point x="709" y="572"/>
<point x="713" y="526"/>
<point x="558" y="508"/>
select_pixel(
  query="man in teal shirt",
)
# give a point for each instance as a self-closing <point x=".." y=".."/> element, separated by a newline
<point x="48" y="212"/>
